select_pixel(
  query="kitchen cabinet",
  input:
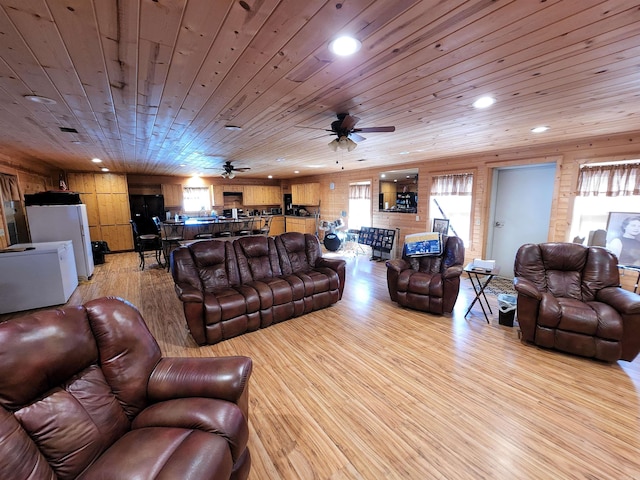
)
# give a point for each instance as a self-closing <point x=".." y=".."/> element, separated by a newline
<point x="107" y="200"/>
<point x="301" y="224"/>
<point x="172" y="193"/>
<point x="258" y="195"/>
<point x="305" y="193"/>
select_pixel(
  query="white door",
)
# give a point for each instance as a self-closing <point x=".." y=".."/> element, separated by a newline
<point x="520" y="211"/>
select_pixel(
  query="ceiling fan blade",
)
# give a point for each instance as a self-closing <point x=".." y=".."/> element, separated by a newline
<point x="349" y="122"/>
<point x="356" y="138"/>
<point x="241" y="169"/>
<point x="375" y="129"/>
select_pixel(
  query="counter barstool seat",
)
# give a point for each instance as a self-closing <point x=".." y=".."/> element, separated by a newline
<point x="172" y="235"/>
<point x="146" y="243"/>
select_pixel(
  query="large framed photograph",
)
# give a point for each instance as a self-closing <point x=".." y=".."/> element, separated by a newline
<point x="623" y="237"/>
<point x="441" y="225"/>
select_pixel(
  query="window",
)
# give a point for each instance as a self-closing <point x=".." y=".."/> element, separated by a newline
<point x="451" y="199"/>
<point x="359" y="205"/>
<point x="604" y="188"/>
<point x="196" y="199"/>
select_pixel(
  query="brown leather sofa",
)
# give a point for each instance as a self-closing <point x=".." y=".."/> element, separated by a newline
<point x="232" y="287"/>
<point x="428" y="283"/>
<point x="86" y="394"/>
<point x="569" y="299"/>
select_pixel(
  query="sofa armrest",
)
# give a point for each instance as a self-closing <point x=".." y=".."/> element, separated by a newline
<point x="225" y="378"/>
<point x="527" y="288"/>
<point x="189" y="294"/>
<point x="452" y="272"/>
<point x="332" y="263"/>
<point x="624" y="301"/>
<point x="337" y="265"/>
<point x="397" y="265"/>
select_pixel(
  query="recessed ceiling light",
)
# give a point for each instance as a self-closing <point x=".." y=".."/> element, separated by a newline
<point x="296" y="171"/>
<point x="104" y="169"/>
<point x="540" y="129"/>
<point x="382" y="175"/>
<point x="96" y="160"/>
<point x="234" y="128"/>
<point x="484" y="102"/>
<point x="39" y="99"/>
<point x="344" y="46"/>
<point x="269" y="176"/>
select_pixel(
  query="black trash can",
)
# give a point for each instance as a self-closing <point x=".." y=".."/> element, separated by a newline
<point x="99" y="249"/>
<point x="507" y="309"/>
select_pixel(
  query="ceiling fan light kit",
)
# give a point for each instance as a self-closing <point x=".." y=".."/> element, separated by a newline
<point x="230" y="170"/>
<point x="344" y="143"/>
<point x="345" y="129"/>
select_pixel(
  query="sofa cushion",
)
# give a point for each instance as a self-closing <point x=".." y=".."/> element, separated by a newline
<point x="159" y="453"/>
<point x="257" y="258"/>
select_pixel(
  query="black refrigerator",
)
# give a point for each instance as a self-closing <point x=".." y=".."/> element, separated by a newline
<point x="143" y="209"/>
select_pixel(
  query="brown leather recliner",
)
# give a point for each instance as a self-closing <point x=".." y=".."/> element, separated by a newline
<point x="85" y="393"/>
<point x="428" y="283"/>
<point x="569" y="299"/>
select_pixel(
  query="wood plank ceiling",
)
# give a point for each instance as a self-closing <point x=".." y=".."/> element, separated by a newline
<point x="150" y="85"/>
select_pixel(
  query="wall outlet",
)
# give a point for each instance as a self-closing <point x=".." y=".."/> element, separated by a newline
<point x="417" y="218"/>
<point x="1" y="232"/>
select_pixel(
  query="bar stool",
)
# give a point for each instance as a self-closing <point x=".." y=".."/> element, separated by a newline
<point x="146" y="243"/>
<point x="204" y="232"/>
<point x="264" y="229"/>
<point x="246" y="228"/>
<point x="225" y="229"/>
<point x="172" y="235"/>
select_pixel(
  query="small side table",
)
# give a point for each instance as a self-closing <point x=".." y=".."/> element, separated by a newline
<point x="479" y="286"/>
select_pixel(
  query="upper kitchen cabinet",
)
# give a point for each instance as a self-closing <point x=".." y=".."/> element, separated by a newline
<point x="111" y="183"/>
<point x="305" y="193"/>
<point x="107" y="199"/>
<point x="172" y="193"/>
<point x="256" y="195"/>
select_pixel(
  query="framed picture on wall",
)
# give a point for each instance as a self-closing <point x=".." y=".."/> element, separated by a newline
<point x="623" y="237"/>
<point x="441" y="225"/>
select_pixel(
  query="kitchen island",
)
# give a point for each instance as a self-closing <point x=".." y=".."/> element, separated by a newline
<point x="220" y="226"/>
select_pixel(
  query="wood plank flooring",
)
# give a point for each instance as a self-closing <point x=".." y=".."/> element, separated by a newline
<point x="368" y="390"/>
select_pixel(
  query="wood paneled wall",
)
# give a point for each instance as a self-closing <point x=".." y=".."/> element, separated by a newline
<point x="568" y="159"/>
<point x="334" y="201"/>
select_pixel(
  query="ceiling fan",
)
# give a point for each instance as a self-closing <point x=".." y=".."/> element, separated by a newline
<point x="230" y="170"/>
<point x="348" y="135"/>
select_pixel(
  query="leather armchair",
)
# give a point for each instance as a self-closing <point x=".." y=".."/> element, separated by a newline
<point x="569" y="299"/>
<point x="85" y="393"/>
<point x="428" y="283"/>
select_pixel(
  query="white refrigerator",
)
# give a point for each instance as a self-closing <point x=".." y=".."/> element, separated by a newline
<point x="35" y="275"/>
<point x="51" y="223"/>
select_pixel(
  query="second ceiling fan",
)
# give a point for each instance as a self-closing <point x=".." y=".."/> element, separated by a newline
<point x="230" y="170"/>
<point x="348" y="135"/>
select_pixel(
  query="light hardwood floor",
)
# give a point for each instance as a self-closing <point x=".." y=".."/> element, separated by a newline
<point x="367" y="390"/>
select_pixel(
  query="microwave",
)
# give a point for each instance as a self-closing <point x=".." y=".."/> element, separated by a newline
<point x="276" y="211"/>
